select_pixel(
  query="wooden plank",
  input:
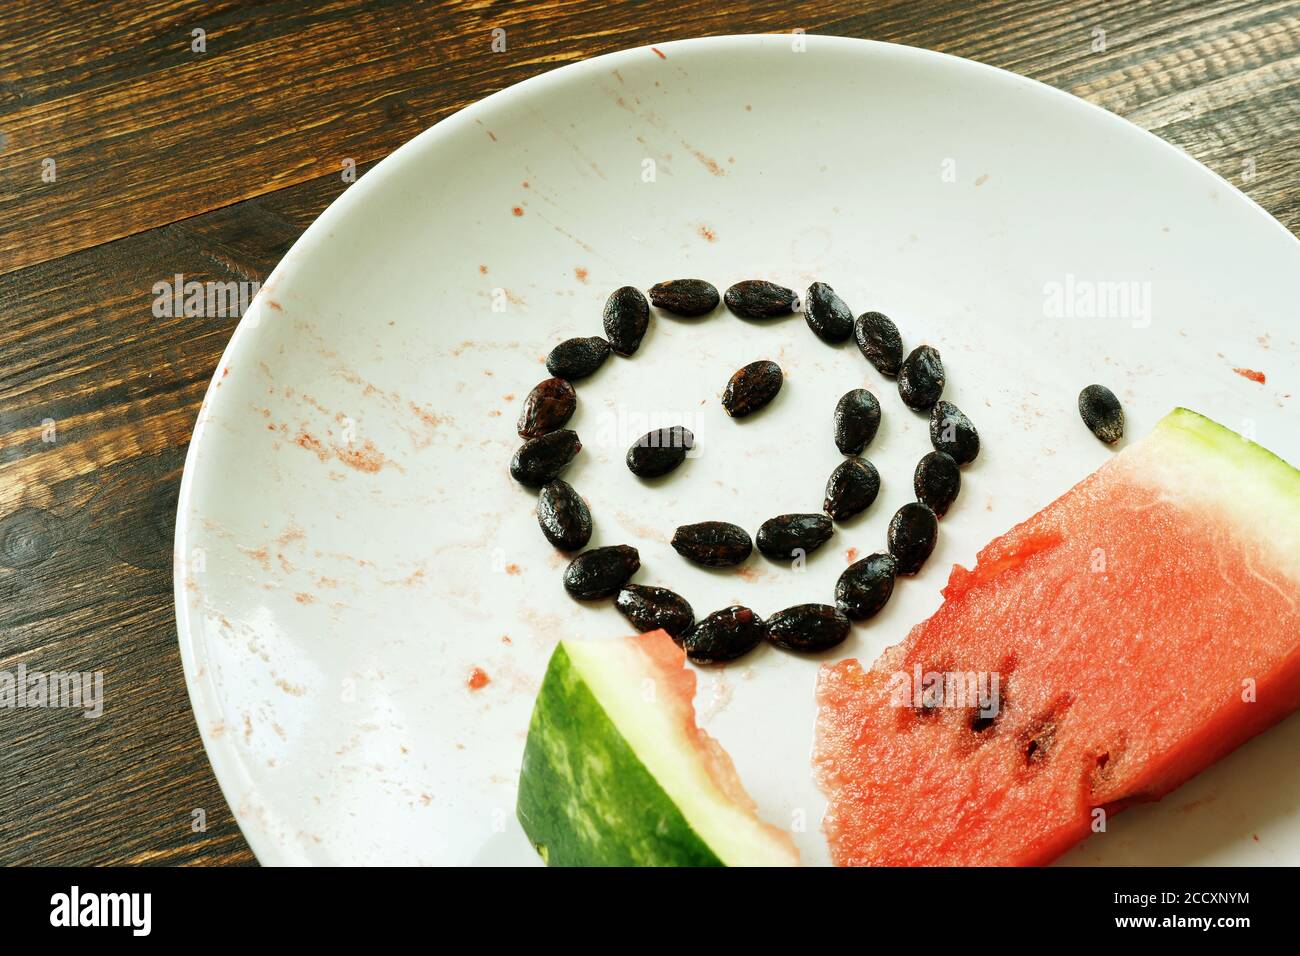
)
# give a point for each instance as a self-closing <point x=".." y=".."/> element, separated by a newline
<point x="145" y="132"/>
<point x="141" y="150"/>
<point x="86" y="525"/>
<point x="128" y="783"/>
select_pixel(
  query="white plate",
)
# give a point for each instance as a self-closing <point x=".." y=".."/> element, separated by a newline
<point x="352" y="545"/>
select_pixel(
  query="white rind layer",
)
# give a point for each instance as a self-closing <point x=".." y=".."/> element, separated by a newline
<point x="1207" y="468"/>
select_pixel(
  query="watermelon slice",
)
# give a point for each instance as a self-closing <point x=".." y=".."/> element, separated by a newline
<point x="617" y="773"/>
<point x="1141" y="626"/>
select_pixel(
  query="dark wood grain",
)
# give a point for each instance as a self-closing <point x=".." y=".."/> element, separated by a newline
<point x="144" y="131"/>
<point x="212" y="164"/>
<point x="86" y="527"/>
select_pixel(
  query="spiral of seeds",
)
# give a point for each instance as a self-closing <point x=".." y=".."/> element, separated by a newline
<point x="864" y="587"/>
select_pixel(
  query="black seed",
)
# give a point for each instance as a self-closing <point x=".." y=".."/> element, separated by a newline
<point x="627" y="316"/>
<point x="1102" y="413"/>
<point x="920" y="378"/>
<point x="724" y="635"/>
<point x="928" y="708"/>
<point x="714" y="544"/>
<point x="865" y="586"/>
<point x="542" y="459"/>
<point x="1038" y="740"/>
<point x="547" y="407"/>
<point x="857" y="416"/>
<point x="659" y="452"/>
<point x="688" y="297"/>
<point x="758" y="299"/>
<point x="979" y="723"/>
<point x="852" y="488"/>
<point x="563" y="516"/>
<point x="784" y="537"/>
<point x="577" y="358"/>
<point x="879" y="341"/>
<point x="601" y="572"/>
<point x="952" y="431"/>
<point x="808" y="627"/>
<point x="650" y="609"/>
<point x="751" y="388"/>
<point x="913" y="532"/>
<point x="937" y="482"/>
<point x="826" y="314"/>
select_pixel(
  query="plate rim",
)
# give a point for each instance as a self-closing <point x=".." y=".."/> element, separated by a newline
<point x="228" y="764"/>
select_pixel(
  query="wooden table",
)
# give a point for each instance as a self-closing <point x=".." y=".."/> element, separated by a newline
<point x="130" y="151"/>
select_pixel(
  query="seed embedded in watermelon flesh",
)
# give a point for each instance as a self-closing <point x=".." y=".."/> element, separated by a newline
<point x="614" y="775"/>
<point x="1120" y="661"/>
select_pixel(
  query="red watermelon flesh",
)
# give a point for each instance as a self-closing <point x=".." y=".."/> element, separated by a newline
<point x="1141" y="626"/>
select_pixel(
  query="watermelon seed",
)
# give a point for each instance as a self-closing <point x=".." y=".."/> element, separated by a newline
<point x="826" y="314"/>
<point x="1041" y="734"/>
<point x="851" y="488"/>
<point x="627" y="316"/>
<point x="865" y="586"/>
<point x="542" y="459"/>
<point x="752" y="388"/>
<point x="714" y="544"/>
<point x="1102" y="413"/>
<point x="921" y="378"/>
<point x="979" y="723"/>
<point x="688" y="297"/>
<point x="577" y="358"/>
<point x="952" y="432"/>
<point x="937" y="481"/>
<point x="724" y="635"/>
<point x="658" y="452"/>
<point x="601" y="572"/>
<point x="651" y="608"/>
<point x="563" y="516"/>
<point x="548" y="406"/>
<point x="786" y="537"/>
<point x="879" y="342"/>
<point x="808" y="627"/>
<point x="913" y="532"/>
<point x="857" y="418"/>
<point x="760" y="299"/>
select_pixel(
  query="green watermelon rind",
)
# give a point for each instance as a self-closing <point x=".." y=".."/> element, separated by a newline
<point x="1252" y="494"/>
<point x="616" y="771"/>
<point x="1203" y="434"/>
<point x="585" y="798"/>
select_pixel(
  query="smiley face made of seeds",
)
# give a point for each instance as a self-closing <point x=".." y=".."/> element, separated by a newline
<point x="864" y="587"/>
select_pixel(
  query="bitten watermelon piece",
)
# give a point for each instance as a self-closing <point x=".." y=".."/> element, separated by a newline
<point x="617" y="773"/>
<point x="1142" y="626"/>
